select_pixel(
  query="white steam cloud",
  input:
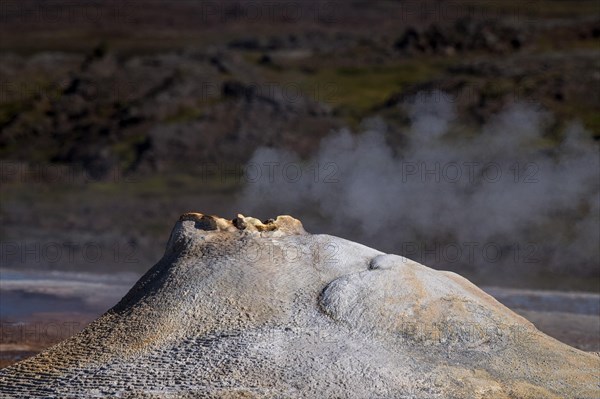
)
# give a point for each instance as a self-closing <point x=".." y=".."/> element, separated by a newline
<point x="503" y="196"/>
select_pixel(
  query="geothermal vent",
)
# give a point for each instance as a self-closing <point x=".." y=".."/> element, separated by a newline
<point x="251" y="309"/>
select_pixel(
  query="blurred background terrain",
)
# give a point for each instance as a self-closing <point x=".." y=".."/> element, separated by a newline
<point x="118" y="116"/>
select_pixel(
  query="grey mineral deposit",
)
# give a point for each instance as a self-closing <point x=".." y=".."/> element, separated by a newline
<point x="250" y="309"/>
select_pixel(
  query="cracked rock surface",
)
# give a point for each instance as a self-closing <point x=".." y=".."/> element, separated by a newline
<point x="249" y="309"/>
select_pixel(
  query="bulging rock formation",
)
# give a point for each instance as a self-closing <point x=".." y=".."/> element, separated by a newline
<point x="246" y="309"/>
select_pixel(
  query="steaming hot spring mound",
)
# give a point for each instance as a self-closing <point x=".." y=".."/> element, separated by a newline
<point x="248" y="309"/>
